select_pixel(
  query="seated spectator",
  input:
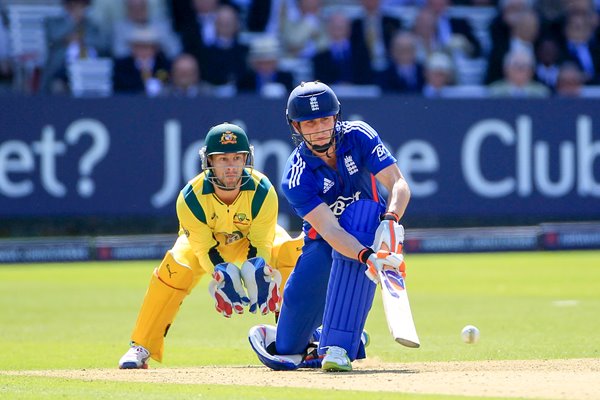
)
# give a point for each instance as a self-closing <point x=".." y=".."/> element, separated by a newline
<point x="69" y="36"/>
<point x="570" y="80"/>
<point x="548" y="56"/>
<point x="268" y="16"/>
<point x="581" y="46"/>
<point x="225" y="60"/>
<point x="439" y="74"/>
<point x="147" y="68"/>
<point x="374" y="30"/>
<point x="138" y="16"/>
<point x="500" y="26"/>
<point x="263" y="60"/>
<point x="305" y="36"/>
<point x="524" y="32"/>
<point x="199" y="30"/>
<point x="5" y="65"/>
<point x="405" y="73"/>
<point x="453" y="33"/>
<point x="186" y="79"/>
<point x="342" y="62"/>
<point x="518" y="78"/>
<point x="425" y="32"/>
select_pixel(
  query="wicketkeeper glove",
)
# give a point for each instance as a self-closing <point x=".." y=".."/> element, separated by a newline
<point x="378" y="261"/>
<point x="227" y="290"/>
<point x="390" y="234"/>
<point x="263" y="284"/>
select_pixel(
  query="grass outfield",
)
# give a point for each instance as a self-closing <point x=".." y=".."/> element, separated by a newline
<point x="80" y="315"/>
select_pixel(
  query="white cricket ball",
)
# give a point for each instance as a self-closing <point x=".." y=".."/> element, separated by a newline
<point x="470" y="334"/>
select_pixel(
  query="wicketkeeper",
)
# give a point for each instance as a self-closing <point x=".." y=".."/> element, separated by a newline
<point x="331" y="182"/>
<point x="228" y="230"/>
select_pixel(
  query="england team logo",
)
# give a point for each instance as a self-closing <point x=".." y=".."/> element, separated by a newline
<point x="314" y="104"/>
<point x="350" y="165"/>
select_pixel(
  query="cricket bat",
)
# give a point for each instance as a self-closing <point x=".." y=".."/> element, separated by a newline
<point x="396" y="306"/>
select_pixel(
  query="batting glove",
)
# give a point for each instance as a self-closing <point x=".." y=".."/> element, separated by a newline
<point x="263" y="284"/>
<point x="390" y="234"/>
<point x="378" y="261"/>
<point x="227" y="290"/>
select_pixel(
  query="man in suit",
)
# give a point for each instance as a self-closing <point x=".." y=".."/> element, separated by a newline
<point x="70" y="36"/>
<point x="405" y="74"/>
<point x="342" y="61"/>
<point x="454" y="32"/>
<point x="225" y="59"/>
<point x="146" y="70"/>
<point x="581" y="46"/>
<point x="374" y="30"/>
<point x="264" y="74"/>
<point x="518" y="78"/>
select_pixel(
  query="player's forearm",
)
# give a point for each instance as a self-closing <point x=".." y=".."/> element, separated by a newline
<point x="342" y="241"/>
<point x="398" y="198"/>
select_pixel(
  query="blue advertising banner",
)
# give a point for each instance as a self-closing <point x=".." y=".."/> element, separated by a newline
<point x="473" y="160"/>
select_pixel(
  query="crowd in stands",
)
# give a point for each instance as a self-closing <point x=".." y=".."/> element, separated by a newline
<point x="188" y="48"/>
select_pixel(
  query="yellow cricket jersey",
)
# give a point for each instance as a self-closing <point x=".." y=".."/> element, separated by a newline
<point x="233" y="233"/>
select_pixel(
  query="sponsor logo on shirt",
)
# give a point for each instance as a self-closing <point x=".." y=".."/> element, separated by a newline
<point x="382" y="152"/>
<point x="342" y="202"/>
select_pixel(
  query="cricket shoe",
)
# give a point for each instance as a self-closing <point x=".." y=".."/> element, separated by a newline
<point x="135" y="358"/>
<point x="336" y="360"/>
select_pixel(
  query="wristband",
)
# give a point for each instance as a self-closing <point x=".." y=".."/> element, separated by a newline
<point x="390" y="216"/>
<point x="364" y="254"/>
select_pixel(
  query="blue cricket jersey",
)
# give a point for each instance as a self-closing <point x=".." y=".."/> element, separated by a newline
<point x="308" y="181"/>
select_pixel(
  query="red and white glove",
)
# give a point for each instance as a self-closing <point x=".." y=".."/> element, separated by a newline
<point x="263" y="284"/>
<point x="227" y="290"/>
<point x="378" y="261"/>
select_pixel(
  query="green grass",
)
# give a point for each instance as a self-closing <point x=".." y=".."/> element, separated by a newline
<point x="75" y="316"/>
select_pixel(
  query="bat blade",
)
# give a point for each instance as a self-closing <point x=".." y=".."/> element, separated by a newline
<point x="397" y="308"/>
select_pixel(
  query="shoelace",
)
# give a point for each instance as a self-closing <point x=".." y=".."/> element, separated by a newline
<point x="336" y="351"/>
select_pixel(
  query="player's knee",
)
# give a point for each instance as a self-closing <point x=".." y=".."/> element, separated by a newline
<point x="361" y="219"/>
<point x="175" y="273"/>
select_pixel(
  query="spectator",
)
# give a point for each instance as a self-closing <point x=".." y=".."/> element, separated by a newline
<point x="453" y="33"/>
<point x="267" y="15"/>
<point x="342" y="62"/>
<point x="518" y="78"/>
<point x="580" y="45"/>
<point x="186" y="79"/>
<point x="405" y="74"/>
<point x="138" y="16"/>
<point x="200" y="31"/>
<point x="264" y="76"/>
<point x="147" y="68"/>
<point x="305" y="36"/>
<point x="524" y="31"/>
<point x="374" y="30"/>
<point x="548" y="56"/>
<point x="500" y="26"/>
<point x="70" y="35"/>
<point x="225" y="59"/>
<point x="439" y="74"/>
<point x="570" y="80"/>
<point x="5" y="66"/>
<point x="425" y="29"/>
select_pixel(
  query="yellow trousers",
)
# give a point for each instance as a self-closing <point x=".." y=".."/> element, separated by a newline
<point x="178" y="274"/>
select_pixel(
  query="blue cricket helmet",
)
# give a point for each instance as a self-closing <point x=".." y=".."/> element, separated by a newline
<point x="311" y="100"/>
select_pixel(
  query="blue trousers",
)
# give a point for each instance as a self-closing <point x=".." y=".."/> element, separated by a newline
<point x="349" y="296"/>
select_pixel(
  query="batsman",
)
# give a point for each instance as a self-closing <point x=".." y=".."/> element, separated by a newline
<point x="331" y="181"/>
<point x="228" y="230"/>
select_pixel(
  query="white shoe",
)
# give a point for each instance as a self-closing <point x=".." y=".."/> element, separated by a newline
<point x="336" y="359"/>
<point x="135" y="358"/>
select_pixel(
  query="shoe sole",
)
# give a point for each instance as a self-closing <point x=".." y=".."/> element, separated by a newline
<point x="333" y="367"/>
<point x="132" y="365"/>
